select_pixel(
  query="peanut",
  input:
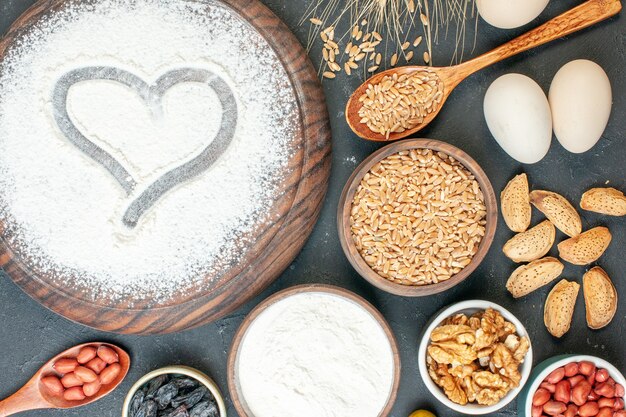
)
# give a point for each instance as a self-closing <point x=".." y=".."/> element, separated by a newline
<point x="85" y="374"/>
<point x="109" y="373"/>
<point x="619" y="390"/>
<point x="573" y="381"/>
<point x="53" y="384"/>
<point x="96" y="365"/>
<point x="572" y="411"/>
<point x="589" y="409"/>
<point x="86" y="354"/>
<point x="605" y="390"/>
<point x="586" y="368"/>
<point x="536" y="411"/>
<point x="549" y="387"/>
<point x="593" y="396"/>
<point x="562" y="392"/>
<point x="606" y="402"/>
<point x="541" y="397"/>
<point x="571" y="369"/>
<point x="65" y="365"/>
<point x="74" y="394"/>
<point x="592" y="378"/>
<point x="580" y="392"/>
<point x="71" y="380"/>
<point x="554" y="408"/>
<point x="620" y="413"/>
<point x="619" y="404"/>
<point x="605" y="412"/>
<point x="108" y="355"/>
<point x="602" y="375"/>
<point x="92" y="388"/>
<point x="556" y="376"/>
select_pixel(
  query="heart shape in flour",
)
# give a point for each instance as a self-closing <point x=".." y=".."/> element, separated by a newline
<point x="152" y="94"/>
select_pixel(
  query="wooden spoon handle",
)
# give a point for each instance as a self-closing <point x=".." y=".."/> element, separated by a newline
<point x="27" y="398"/>
<point x="580" y="17"/>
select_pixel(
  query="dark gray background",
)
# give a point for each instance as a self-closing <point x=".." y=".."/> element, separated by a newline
<point x="30" y="334"/>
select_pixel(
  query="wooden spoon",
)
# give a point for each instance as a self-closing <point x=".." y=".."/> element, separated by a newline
<point x="580" y="17"/>
<point x="34" y="395"/>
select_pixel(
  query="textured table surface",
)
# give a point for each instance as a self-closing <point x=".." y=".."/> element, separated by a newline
<point x="30" y="334"/>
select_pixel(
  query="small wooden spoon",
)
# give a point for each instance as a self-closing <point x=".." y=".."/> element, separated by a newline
<point x="580" y="17"/>
<point x="34" y="395"/>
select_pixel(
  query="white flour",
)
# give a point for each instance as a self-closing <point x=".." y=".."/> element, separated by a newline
<point x="62" y="210"/>
<point x="315" y="355"/>
<point x="116" y="118"/>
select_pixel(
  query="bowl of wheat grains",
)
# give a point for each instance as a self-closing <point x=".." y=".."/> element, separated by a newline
<point x="417" y="217"/>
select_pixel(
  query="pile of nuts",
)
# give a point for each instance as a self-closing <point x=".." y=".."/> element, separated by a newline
<point x="532" y="244"/>
<point x="476" y="359"/>
<point x="84" y="375"/>
<point x="418" y="217"/>
<point x="579" y="389"/>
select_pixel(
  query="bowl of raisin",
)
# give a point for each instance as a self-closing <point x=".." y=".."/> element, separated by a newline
<point x="174" y="391"/>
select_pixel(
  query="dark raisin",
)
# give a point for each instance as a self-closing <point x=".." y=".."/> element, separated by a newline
<point x="147" y="409"/>
<point x="208" y="395"/>
<point x="154" y="385"/>
<point x="191" y="399"/>
<point x="136" y="402"/>
<point x="204" y="409"/>
<point x="165" y="394"/>
<point x="165" y="413"/>
<point x="184" y="382"/>
<point x="178" y="412"/>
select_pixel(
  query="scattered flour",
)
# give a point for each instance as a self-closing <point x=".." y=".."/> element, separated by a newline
<point x="313" y="355"/>
<point x="350" y="160"/>
<point x="62" y="211"/>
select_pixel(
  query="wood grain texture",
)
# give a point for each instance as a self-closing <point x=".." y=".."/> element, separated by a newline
<point x="578" y="18"/>
<point x="233" y="384"/>
<point x="274" y="247"/>
<point x="34" y="395"/>
<point x="345" y="207"/>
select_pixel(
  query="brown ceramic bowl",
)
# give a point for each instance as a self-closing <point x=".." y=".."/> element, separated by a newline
<point x="233" y="383"/>
<point x="345" y="205"/>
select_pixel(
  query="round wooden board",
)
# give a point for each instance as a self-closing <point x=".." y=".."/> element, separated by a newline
<point x="274" y="247"/>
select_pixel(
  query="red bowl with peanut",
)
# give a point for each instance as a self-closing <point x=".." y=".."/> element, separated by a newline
<point x="574" y="385"/>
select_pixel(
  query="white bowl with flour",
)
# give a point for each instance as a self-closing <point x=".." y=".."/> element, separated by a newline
<point x="314" y="350"/>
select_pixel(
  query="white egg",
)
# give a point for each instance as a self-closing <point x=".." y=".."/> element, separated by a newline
<point x="581" y="99"/>
<point x="509" y="14"/>
<point x="518" y="115"/>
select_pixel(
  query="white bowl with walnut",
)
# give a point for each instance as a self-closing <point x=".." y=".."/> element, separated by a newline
<point x="475" y="357"/>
